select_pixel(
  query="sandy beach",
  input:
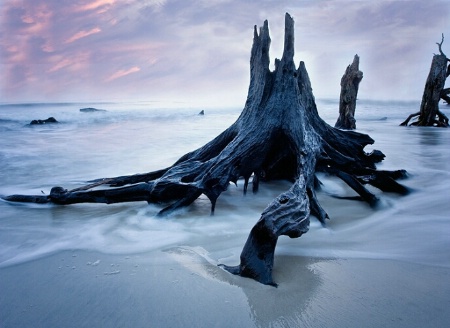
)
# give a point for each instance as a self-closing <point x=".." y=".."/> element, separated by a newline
<point x="182" y="286"/>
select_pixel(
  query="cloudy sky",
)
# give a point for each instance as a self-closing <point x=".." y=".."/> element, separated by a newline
<point x="197" y="51"/>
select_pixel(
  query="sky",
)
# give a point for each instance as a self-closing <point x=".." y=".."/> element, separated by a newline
<point x="196" y="52"/>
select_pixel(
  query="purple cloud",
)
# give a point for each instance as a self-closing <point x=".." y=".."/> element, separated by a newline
<point x="122" y="49"/>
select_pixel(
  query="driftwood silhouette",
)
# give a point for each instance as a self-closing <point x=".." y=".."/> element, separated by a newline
<point x="349" y="92"/>
<point x="279" y="135"/>
<point x="429" y="114"/>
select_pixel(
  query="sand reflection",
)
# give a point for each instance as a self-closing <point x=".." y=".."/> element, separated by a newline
<point x="285" y="306"/>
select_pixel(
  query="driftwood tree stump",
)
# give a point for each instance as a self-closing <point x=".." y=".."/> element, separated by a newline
<point x="429" y="114"/>
<point x="279" y="135"/>
<point x="349" y="93"/>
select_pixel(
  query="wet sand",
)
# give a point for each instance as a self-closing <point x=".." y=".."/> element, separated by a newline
<point x="183" y="287"/>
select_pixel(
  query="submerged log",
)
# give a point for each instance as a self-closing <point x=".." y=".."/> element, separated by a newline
<point x="349" y="93"/>
<point x="429" y="114"/>
<point x="279" y="135"/>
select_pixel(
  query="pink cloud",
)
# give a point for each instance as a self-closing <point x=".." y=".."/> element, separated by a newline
<point x="77" y="62"/>
<point x="83" y="34"/>
<point x="37" y="18"/>
<point x="122" y="73"/>
<point x="61" y="64"/>
<point x="95" y="5"/>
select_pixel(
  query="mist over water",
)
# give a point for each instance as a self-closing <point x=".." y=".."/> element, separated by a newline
<point x="135" y="138"/>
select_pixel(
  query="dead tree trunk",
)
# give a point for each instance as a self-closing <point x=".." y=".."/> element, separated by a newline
<point x="349" y="92"/>
<point x="279" y="135"/>
<point x="429" y="114"/>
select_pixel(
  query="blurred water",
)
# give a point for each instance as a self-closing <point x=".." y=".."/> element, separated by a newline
<point x="141" y="137"/>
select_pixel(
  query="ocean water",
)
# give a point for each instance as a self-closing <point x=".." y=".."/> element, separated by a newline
<point x="131" y="138"/>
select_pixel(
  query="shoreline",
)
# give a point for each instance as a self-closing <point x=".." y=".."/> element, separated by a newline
<point x="182" y="286"/>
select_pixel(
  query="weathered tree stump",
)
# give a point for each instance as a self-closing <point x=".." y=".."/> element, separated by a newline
<point x="429" y="114"/>
<point x="279" y="135"/>
<point x="349" y="93"/>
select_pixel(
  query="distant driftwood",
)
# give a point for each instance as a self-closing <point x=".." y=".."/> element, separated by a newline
<point x="349" y="92"/>
<point x="429" y="114"/>
<point x="50" y="120"/>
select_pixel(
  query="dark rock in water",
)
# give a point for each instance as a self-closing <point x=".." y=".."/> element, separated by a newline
<point x="91" y="109"/>
<point x="49" y="120"/>
<point x="202" y="113"/>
